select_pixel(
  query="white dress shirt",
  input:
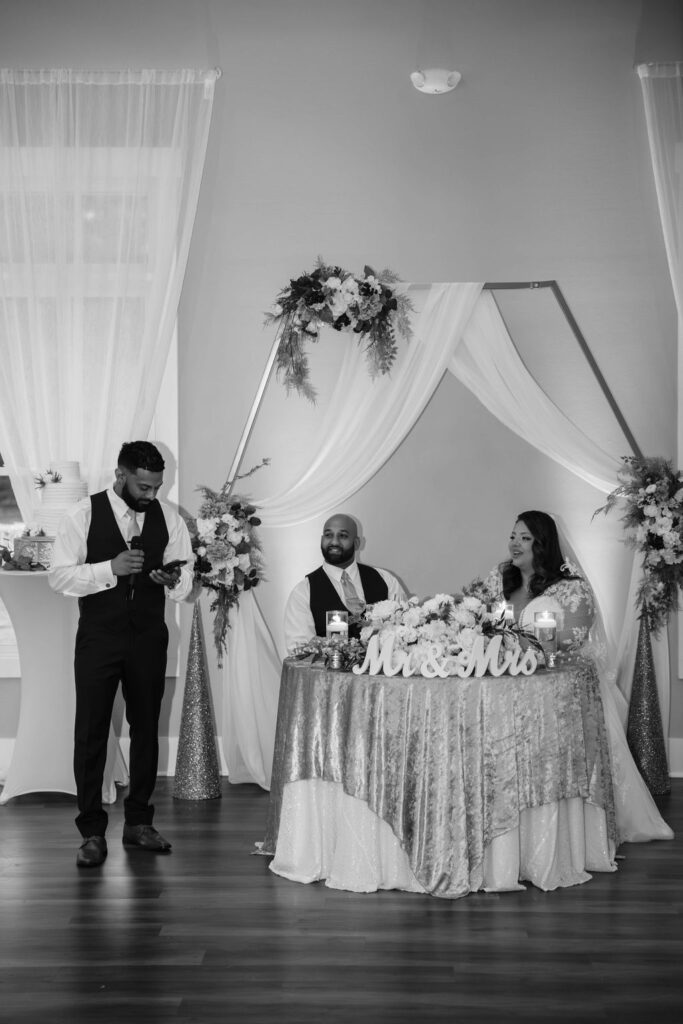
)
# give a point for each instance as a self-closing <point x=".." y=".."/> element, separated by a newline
<point x="71" y="575"/>
<point x="299" y="624"/>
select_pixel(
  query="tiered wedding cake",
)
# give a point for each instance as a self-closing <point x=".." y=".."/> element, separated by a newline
<point x="57" y="497"/>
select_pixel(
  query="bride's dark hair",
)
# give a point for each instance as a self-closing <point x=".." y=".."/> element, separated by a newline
<point x="548" y="563"/>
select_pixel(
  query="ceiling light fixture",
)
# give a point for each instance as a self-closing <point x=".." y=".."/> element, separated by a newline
<point x="435" y="80"/>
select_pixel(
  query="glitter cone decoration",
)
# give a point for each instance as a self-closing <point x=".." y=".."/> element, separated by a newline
<point x="197" y="774"/>
<point x="645" y="734"/>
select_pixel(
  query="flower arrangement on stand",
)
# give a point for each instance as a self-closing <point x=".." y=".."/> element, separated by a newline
<point x="227" y="551"/>
<point x="653" y="519"/>
<point x="367" y="305"/>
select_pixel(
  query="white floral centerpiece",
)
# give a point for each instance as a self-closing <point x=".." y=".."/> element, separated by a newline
<point x="444" y="635"/>
<point x="445" y="629"/>
<point x="368" y="305"/>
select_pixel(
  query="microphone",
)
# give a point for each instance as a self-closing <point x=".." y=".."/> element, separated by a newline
<point x="135" y="545"/>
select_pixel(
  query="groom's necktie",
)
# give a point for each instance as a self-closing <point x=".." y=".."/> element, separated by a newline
<point x="133" y="526"/>
<point x="351" y="598"/>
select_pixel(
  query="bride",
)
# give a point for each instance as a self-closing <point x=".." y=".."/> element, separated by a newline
<point x="538" y="578"/>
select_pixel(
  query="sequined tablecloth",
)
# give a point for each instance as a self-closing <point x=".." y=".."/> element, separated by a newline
<point x="447" y="763"/>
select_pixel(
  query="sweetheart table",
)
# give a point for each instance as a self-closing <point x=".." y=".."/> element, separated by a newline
<point x="45" y="628"/>
<point x="443" y="786"/>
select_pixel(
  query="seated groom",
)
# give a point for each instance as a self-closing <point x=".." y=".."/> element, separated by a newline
<point x="340" y="583"/>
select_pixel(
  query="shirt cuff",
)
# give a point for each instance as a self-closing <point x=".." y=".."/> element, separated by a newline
<point x="103" y="575"/>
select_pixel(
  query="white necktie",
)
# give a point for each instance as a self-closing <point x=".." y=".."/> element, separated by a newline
<point x="351" y="598"/>
<point x="133" y="526"/>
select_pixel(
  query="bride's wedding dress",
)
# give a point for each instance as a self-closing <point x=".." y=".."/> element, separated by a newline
<point x="638" y="820"/>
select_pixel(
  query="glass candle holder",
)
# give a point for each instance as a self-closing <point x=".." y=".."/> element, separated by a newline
<point x="336" y="625"/>
<point x="503" y="612"/>
<point x="545" y="631"/>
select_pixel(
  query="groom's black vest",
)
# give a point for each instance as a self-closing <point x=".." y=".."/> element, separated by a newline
<point x="113" y="609"/>
<point x="324" y="598"/>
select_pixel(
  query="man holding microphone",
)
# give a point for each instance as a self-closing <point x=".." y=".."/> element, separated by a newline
<point x="121" y="552"/>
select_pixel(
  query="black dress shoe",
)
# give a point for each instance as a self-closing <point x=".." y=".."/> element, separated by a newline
<point x="146" y="837"/>
<point x="92" y="852"/>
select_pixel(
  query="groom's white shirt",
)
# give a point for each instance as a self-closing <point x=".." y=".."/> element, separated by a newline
<point x="299" y="624"/>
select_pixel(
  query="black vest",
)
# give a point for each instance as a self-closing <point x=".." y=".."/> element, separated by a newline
<point x="324" y="598"/>
<point x="113" y="609"/>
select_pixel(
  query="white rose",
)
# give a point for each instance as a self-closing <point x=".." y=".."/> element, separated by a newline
<point x="463" y="617"/>
<point x="467" y="637"/>
<point x="206" y="528"/>
<point x="244" y="562"/>
<point x="383" y="609"/>
<point x="338" y="305"/>
<point x="350" y="289"/>
<point x="413" y="617"/>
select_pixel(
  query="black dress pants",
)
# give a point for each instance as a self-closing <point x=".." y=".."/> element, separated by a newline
<point x="137" y="659"/>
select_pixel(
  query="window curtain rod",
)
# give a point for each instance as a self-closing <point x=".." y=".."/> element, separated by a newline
<point x="583" y="344"/>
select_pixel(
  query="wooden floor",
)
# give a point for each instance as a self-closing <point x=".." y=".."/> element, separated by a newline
<point x="208" y="933"/>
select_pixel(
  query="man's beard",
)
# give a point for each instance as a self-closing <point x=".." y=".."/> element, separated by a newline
<point x="137" y="504"/>
<point x="339" y="556"/>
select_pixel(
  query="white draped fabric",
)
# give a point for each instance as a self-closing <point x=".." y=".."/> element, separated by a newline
<point x="100" y="174"/>
<point x="357" y="438"/>
<point x="251" y="683"/>
<point x="487" y="362"/>
<point x="662" y="87"/>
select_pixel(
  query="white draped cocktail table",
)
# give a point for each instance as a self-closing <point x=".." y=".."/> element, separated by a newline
<point x="45" y="627"/>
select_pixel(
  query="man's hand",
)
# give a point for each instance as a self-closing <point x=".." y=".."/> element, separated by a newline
<point x="165" y="579"/>
<point x="128" y="562"/>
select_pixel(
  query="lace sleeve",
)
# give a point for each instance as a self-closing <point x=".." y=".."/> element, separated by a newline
<point x="488" y="589"/>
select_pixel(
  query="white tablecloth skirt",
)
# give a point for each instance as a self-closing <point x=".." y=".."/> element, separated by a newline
<point x="327" y="835"/>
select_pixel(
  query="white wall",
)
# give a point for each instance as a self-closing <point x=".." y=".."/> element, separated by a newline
<point x="536" y="167"/>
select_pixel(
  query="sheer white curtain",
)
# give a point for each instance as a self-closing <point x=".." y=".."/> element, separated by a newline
<point x="356" y="439"/>
<point x="99" y="179"/>
<point x="662" y="87"/>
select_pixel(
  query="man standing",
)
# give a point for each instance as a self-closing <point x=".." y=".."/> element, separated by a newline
<point x="340" y="583"/>
<point x="113" y="552"/>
